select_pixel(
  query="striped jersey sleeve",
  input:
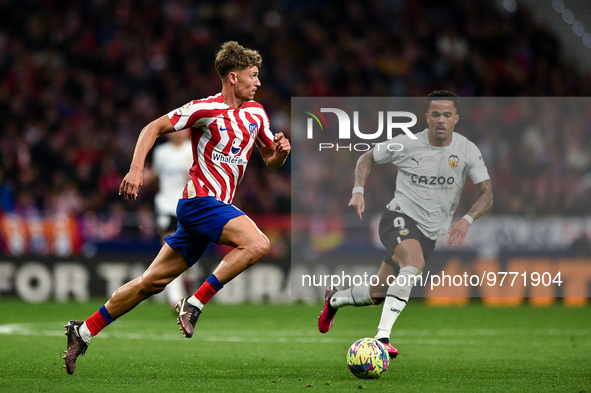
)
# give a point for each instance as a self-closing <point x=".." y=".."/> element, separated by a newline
<point x="191" y="114"/>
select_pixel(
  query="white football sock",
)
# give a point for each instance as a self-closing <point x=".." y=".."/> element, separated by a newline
<point x="354" y="296"/>
<point x="396" y="298"/>
<point x="85" y="333"/>
<point x="195" y="302"/>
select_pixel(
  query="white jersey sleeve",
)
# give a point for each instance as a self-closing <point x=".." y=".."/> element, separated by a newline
<point x="476" y="170"/>
<point x="389" y="151"/>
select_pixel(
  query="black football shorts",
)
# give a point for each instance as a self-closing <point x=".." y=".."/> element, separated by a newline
<point x="396" y="227"/>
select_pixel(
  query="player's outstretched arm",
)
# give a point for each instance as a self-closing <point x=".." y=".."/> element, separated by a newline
<point x="276" y="155"/>
<point x="362" y="170"/>
<point x="132" y="182"/>
<point x="459" y="230"/>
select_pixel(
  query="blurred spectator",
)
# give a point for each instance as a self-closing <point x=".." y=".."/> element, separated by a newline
<point x="79" y="80"/>
<point x="581" y="247"/>
<point x="6" y="194"/>
<point x="170" y="165"/>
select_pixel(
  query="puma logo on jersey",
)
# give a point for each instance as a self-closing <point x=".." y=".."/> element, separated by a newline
<point x="417" y="161"/>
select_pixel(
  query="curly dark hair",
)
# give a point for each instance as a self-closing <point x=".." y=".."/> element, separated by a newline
<point x="437" y="95"/>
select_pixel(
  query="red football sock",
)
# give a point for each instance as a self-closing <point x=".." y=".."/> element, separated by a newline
<point x="99" y="320"/>
<point x="205" y="292"/>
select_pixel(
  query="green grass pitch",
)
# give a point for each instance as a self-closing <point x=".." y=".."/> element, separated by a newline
<point x="268" y="348"/>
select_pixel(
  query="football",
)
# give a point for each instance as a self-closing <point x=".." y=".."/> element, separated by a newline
<point x="367" y="358"/>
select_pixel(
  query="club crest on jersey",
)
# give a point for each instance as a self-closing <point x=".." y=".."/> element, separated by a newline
<point x="403" y="231"/>
<point x="252" y="128"/>
<point x="454" y="161"/>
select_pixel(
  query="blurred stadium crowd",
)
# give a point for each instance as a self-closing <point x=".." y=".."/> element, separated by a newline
<point x="79" y="80"/>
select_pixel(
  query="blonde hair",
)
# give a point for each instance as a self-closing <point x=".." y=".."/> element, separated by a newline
<point x="234" y="57"/>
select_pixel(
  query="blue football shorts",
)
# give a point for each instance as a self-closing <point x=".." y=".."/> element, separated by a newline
<point x="200" y="222"/>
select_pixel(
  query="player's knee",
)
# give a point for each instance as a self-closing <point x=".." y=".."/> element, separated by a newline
<point x="255" y="249"/>
<point x="418" y="263"/>
<point x="260" y="248"/>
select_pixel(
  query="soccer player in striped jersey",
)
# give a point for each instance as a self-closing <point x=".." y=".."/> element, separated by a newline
<point x="224" y="130"/>
<point x="432" y="170"/>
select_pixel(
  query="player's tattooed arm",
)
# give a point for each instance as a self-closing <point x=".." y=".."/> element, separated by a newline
<point x="362" y="170"/>
<point x="485" y="199"/>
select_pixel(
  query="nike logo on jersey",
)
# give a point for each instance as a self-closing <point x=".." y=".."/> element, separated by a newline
<point x="223" y="129"/>
<point x="417" y="161"/>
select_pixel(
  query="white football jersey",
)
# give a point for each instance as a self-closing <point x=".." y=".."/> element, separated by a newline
<point x="171" y="163"/>
<point x="430" y="179"/>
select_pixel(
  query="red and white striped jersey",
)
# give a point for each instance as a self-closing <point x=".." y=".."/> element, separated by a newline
<point x="222" y="138"/>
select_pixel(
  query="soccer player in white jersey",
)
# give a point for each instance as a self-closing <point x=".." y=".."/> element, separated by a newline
<point x="170" y="164"/>
<point x="431" y="173"/>
<point x="224" y="129"/>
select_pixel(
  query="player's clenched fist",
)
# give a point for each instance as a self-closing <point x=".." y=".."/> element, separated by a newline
<point x="281" y="144"/>
<point x="130" y="186"/>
